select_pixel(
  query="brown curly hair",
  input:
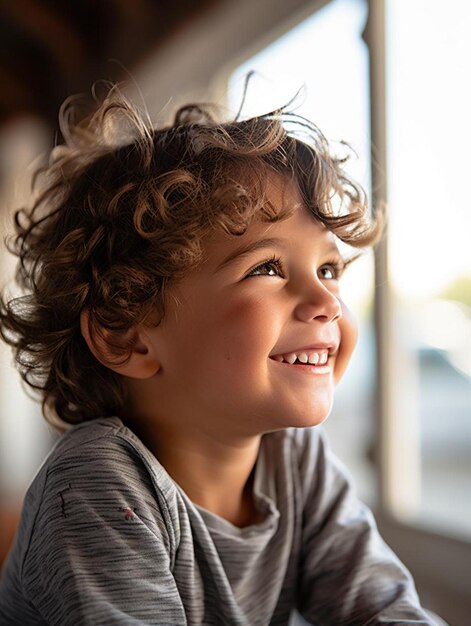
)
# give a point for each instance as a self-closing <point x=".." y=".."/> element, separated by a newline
<point x="122" y="213"/>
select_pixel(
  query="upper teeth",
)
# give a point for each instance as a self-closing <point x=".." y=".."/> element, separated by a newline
<point x="314" y="358"/>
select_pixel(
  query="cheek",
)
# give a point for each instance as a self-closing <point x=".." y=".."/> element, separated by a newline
<point x="349" y="333"/>
<point x="246" y="335"/>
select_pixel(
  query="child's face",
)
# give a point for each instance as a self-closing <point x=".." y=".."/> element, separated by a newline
<point x="229" y="318"/>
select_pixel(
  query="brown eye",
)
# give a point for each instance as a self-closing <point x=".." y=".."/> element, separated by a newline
<point x="268" y="268"/>
<point x="332" y="271"/>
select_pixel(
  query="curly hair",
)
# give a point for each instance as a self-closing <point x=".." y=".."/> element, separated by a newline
<point x="122" y="212"/>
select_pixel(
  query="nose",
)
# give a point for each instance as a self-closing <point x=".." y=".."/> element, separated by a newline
<point x="319" y="304"/>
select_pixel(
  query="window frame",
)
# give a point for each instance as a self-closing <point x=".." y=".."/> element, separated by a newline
<point x="439" y="562"/>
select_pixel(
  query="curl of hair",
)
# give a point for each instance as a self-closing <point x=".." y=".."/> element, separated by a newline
<point x="121" y="215"/>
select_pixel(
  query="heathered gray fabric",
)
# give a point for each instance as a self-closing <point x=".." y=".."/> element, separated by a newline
<point x="106" y="537"/>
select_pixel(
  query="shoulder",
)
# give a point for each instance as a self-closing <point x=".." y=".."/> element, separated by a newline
<point x="98" y="476"/>
<point x="104" y="460"/>
<point x="96" y="517"/>
<point x="90" y="435"/>
<point x="101" y="456"/>
<point x="101" y="444"/>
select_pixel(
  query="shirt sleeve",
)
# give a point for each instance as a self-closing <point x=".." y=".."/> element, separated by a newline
<point x="348" y="575"/>
<point x="100" y="551"/>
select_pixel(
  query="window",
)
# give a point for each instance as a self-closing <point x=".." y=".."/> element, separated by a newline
<point x="429" y="133"/>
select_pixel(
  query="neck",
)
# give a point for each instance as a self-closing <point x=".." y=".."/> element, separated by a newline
<point x="216" y="474"/>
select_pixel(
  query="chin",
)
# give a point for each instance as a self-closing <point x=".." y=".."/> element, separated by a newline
<point x="316" y="414"/>
<point x="314" y="420"/>
<point x="305" y="420"/>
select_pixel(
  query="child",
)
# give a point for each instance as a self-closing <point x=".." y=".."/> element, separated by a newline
<point x="183" y="315"/>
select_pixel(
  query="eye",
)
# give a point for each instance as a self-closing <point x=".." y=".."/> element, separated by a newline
<point x="271" y="267"/>
<point x="332" y="270"/>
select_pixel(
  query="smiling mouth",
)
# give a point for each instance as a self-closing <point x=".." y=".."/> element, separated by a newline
<point x="313" y="358"/>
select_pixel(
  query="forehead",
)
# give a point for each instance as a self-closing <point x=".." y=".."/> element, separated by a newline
<point x="297" y="226"/>
<point x="280" y="192"/>
<point x="283" y="191"/>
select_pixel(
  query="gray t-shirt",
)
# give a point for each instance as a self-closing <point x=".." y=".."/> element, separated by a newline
<point x="107" y="537"/>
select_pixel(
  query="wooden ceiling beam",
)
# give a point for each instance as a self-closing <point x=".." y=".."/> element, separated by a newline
<point x="50" y="31"/>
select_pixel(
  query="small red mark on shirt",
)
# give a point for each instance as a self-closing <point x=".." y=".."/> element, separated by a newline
<point x="129" y="514"/>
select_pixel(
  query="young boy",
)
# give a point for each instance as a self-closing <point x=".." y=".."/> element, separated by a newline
<point x="183" y="313"/>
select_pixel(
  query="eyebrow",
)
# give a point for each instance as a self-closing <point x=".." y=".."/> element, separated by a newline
<point x="258" y="245"/>
<point x="247" y="249"/>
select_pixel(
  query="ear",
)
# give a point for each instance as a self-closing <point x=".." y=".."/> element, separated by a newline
<point x="143" y="362"/>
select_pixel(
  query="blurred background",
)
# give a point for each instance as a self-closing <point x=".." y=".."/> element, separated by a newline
<point x="391" y="77"/>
